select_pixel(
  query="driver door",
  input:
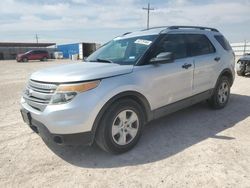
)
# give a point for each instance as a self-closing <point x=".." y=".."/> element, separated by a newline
<point x="168" y="82"/>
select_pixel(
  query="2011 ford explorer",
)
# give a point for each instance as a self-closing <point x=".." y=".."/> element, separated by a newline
<point x="128" y="82"/>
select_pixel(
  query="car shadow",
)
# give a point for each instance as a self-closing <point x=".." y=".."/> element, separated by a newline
<point x="164" y="137"/>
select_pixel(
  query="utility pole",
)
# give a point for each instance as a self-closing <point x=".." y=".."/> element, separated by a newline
<point x="245" y="47"/>
<point x="148" y="11"/>
<point x="36" y="38"/>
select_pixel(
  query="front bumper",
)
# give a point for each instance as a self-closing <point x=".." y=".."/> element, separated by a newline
<point x="18" y="59"/>
<point x="85" y="138"/>
<point x="77" y="116"/>
<point x="245" y="65"/>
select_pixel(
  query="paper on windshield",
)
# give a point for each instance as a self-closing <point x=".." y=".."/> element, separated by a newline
<point x="144" y="42"/>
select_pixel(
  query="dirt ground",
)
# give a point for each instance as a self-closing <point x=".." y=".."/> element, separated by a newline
<point x="195" y="147"/>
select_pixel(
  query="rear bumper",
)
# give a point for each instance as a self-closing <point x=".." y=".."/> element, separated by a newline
<point x="85" y="138"/>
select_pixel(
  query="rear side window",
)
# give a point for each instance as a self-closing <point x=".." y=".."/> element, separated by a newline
<point x="223" y="42"/>
<point x="198" y="44"/>
<point x="36" y="52"/>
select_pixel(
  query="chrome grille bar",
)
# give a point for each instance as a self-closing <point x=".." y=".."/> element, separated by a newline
<point x="40" y="85"/>
<point x="38" y="94"/>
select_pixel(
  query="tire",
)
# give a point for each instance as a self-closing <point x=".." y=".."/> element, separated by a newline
<point x="44" y="59"/>
<point x="116" y="133"/>
<point x="221" y="93"/>
<point x="241" y="72"/>
<point x="25" y="59"/>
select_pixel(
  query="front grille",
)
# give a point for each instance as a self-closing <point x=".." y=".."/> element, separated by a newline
<point x="245" y="62"/>
<point x="38" y="94"/>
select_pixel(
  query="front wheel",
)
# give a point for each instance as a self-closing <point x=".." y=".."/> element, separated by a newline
<point x="241" y="72"/>
<point x="25" y="59"/>
<point x="221" y="94"/>
<point x="121" y="127"/>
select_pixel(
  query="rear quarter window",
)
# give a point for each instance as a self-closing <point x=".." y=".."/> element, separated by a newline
<point x="223" y="42"/>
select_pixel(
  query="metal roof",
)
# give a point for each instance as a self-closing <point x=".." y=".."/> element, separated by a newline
<point x="19" y="44"/>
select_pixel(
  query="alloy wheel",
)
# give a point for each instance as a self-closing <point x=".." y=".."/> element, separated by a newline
<point x="125" y="127"/>
<point x="223" y="92"/>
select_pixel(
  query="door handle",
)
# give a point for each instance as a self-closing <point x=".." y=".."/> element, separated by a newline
<point x="186" y="66"/>
<point x="217" y="59"/>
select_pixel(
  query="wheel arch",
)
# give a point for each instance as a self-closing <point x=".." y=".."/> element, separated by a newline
<point x="134" y="95"/>
<point x="228" y="73"/>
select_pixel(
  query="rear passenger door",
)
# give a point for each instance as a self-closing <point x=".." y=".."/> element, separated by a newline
<point x="35" y="55"/>
<point x="39" y="54"/>
<point x="205" y="59"/>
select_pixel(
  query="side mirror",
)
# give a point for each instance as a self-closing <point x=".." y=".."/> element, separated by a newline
<point x="164" y="57"/>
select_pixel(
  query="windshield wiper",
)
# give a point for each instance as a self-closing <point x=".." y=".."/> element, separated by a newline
<point x="104" y="60"/>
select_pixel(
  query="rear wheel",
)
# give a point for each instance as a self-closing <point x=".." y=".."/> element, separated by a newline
<point x="121" y="127"/>
<point x="44" y="59"/>
<point x="221" y="94"/>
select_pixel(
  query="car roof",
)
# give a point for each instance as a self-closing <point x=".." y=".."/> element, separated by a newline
<point x="166" y="29"/>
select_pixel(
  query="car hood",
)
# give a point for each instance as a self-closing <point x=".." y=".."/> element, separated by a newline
<point x="19" y="55"/>
<point x="245" y="58"/>
<point x="83" y="71"/>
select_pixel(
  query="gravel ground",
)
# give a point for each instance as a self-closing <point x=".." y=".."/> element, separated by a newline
<point x="195" y="147"/>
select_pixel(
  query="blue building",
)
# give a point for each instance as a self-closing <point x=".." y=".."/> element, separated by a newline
<point x="81" y="49"/>
<point x="68" y="49"/>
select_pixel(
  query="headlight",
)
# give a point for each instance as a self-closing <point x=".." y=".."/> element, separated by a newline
<point x="60" y="98"/>
<point x="66" y="92"/>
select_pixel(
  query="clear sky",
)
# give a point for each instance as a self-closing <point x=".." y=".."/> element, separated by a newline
<point x="66" y="21"/>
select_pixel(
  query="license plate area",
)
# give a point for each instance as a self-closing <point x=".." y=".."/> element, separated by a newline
<point x="26" y="116"/>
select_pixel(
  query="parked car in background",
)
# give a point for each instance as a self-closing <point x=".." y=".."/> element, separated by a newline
<point x="58" y="55"/>
<point x="243" y="65"/>
<point x="41" y="55"/>
<point x="128" y="82"/>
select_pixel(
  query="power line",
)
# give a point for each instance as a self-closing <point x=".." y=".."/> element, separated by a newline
<point x="148" y="9"/>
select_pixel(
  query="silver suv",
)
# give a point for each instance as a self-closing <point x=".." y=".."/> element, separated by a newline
<point x="129" y="81"/>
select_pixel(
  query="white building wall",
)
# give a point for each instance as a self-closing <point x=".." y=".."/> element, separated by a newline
<point x="241" y="48"/>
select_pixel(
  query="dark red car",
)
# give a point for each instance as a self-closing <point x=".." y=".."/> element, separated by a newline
<point x="41" y="55"/>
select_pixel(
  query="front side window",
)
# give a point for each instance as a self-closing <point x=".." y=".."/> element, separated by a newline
<point x="198" y="44"/>
<point x="174" y="43"/>
<point x="123" y="51"/>
<point x="28" y="52"/>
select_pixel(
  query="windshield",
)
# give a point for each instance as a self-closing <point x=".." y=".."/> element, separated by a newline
<point x="28" y="52"/>
<point x="123" y="51"/>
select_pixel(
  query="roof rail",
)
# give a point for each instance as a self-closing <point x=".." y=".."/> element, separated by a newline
<point x="193" y="27"/>
<point x="126" y="33"/>
<point x="157" y="27"/>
